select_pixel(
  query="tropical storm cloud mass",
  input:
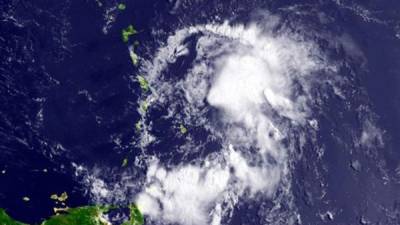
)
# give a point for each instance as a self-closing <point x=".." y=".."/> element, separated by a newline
<point x="204" y="112"/>
<point x="258" y="85"/>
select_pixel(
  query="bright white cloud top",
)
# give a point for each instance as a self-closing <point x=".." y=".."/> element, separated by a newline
<point x="259" y="83"/>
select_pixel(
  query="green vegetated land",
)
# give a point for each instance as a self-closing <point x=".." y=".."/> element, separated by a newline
<point x="127" y="32"/>
<point x="86" y="215"/>
<point x="121" y="6"/>
<point x="6" y="220"/>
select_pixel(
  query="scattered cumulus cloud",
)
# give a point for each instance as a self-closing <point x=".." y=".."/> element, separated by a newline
<point x="371" y="136"/>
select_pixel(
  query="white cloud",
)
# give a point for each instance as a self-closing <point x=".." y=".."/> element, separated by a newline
<point x="187" y="194"/>
<point x="371" y="136"/>
<point x="148" y="205"/>
<point x="257" y="179"/>
<point x="249" y="76"/>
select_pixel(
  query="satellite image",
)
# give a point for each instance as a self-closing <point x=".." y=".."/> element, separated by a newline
<point x="199" y="112"/>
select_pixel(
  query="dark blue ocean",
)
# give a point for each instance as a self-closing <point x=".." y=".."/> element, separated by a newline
<point x="65" y="91"/>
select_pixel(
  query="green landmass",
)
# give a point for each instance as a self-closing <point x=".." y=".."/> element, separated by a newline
<point x="135" y="217"/>
<point x="121" y="6"/>
<point x="7" y="220"/>
<point x="144" y="84"/>
<point x="62" y="198"/>
<point x="144" y="106"/>
<point x="138" y="125"/>
<point x="124" y="162"/>
<point x="183" y="129"/>
<point x="127" y="32"/>
<point x="133" y="55"/>
<point x="86" y="215"/>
